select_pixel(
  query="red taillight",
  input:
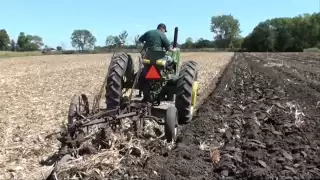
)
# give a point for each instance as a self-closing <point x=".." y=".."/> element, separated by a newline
<point x="153" y="73"/>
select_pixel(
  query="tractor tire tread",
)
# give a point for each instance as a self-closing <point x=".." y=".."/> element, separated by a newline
<point x="187" y="75"/>
<point x="115" y="74"/>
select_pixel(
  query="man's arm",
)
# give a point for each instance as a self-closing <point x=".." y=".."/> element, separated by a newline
<point x="166" y="43"/>
<point x="142" y="38"/>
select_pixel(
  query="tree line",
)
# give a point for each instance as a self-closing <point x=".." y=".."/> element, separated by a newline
<point x="274" y="35"/>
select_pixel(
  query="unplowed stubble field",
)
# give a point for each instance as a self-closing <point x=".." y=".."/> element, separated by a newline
<point x="35" y="95"/>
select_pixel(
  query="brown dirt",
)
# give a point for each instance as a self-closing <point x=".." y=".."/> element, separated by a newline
<point x="36" y="93"/>
<point x="261" y="122"/>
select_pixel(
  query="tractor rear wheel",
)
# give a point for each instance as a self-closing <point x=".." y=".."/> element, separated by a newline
<point x="187" y="90"/>
<point x="121" y="71"/>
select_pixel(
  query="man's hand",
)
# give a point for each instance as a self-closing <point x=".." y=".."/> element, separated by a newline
<point x="171" y="49"/>
<point x="174" y="49"/>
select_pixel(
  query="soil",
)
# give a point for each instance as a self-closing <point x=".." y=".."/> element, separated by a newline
<point x="261" y="122"/>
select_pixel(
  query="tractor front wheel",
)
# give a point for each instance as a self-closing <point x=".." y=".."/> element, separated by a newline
<point x="121" y="73"/>
<point x="187" y="90"/>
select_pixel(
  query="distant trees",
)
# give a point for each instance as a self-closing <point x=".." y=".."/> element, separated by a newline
<point x="123" y="37"/>
<point x="274" y="35"/>
<point x="226" y="29"/>
<point x="27" y="42"/>
<point x="13" y="45"/>
<point x="59" y="48"/>
<point x="4" y="40"/>
<point x="116" y="40"/>
<point x="189" y="43"/>
<point x="136" y="41"/>
<point x="110" y="40"/>
<point x="285" y="34"/>
<point x="205" y="43"/>
<point x="82" y="39"/>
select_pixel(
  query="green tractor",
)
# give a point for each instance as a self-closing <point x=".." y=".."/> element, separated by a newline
<point x="159" y="81"/>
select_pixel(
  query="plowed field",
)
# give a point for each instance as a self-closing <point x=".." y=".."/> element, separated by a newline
<point x="35" y="95"/>
<point x="261" y="122"/>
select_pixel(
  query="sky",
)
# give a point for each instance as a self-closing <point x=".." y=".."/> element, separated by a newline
<point x="55" y="20"/>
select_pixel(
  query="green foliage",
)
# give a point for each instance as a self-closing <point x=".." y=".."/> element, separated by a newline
<point x="13" y="45"/>
<point x="227" y="28"/>
<point x="29" y="42"/>
<point x="22" y="41"/>
<point x="115" y="41"/>
<point x="138" y="45"/>
<point x="4" y="40"/>
<point x="59" y="48"/>
<point x="82" y="39"/>
<point x="123" y="37"/>
<point x="189" y="43"/>
<point x="285" y="34"/>
<point x="205" y="43"/>
<point x="110" y="40"/>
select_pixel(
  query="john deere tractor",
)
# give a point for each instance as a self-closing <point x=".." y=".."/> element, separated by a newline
<point x="158" y="80"/>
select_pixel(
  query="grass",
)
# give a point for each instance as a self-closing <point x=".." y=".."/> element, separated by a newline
<point x="4" y="54"/>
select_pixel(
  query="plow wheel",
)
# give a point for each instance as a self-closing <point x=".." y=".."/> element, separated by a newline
<point x="120" y="75"/>
<point x="78" y="109"/>
<point x="187" y="91"/>
<point x="171" y="122"/>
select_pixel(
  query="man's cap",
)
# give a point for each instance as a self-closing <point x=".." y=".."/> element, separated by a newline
<point x="161" y="25"/>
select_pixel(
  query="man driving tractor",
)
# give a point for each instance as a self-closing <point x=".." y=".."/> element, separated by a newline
<point x="154" y="42"/>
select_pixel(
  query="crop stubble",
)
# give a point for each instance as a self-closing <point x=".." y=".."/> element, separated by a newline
<point x="35" y="95"/>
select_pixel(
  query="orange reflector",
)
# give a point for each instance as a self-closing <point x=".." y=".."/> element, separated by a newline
<point x="153" y="73"/>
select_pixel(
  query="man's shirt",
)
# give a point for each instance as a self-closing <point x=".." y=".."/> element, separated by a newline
<point x="155" y="40"/>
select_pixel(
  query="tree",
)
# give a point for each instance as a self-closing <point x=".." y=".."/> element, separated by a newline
<point x="22" y="41"/>
<point x="59" y="48"/>
<point x="29" y="42"/>
<point x="82" y="39"/>
<point x="203" y="43"/>
<point x="110" y="40"/>
<point x="283" y="39"/>
<point x="261" y="38"/>
<point x="13" y="45"/>
<point x="117" y="40"/>
<point x="189" y="43"/>
<point x="123" y="37"/>
<point x="225" y="27"/>
<point x="34" y="42"/>
<point x="285" y="34"/>
<point x="136" y="41"/>
<point x="4" y="40"/>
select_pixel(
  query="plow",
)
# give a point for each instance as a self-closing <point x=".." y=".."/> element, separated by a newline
<point x="169" y="98"/>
